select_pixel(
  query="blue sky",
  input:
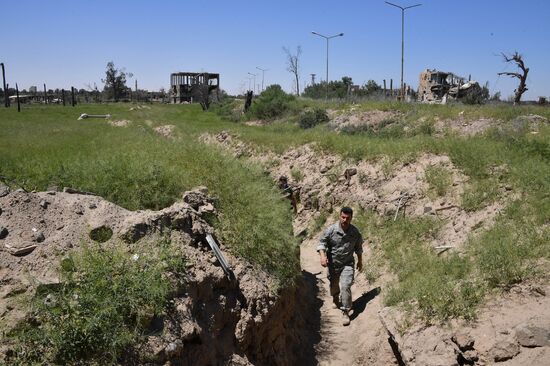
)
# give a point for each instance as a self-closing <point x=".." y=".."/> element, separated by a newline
<point x="67" y="43"/>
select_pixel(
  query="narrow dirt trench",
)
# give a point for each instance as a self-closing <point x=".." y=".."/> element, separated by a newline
<point x="365" y="340"/>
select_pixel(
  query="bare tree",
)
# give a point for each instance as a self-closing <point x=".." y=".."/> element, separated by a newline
<point x="522" y="75"/>
<point x="292" y="65"/>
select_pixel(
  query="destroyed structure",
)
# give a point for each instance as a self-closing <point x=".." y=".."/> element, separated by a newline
<point x="439" y="86"/>
<point x="193" y="87"/>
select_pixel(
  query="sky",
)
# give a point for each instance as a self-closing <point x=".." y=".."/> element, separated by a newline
<point x="66" y="43"/>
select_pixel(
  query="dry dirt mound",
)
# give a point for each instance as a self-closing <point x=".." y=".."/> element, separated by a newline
<point x="121" y="123"/>
<point x="511" y="330"/>
<point x="216" y="319"/>
<point x="465" y="127"/>
<point x="374" y="120"/>
<point x="165" y="130"/>
<point x="326" y="182"/>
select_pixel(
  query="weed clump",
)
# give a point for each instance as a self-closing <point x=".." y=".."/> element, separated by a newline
<point x="104" y="304"/>
<point x="439" y="179"/>
<point x="312" y="118"/>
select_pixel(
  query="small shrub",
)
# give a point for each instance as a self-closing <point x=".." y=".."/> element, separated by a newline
<point x="106" y="300"/>
<point x="439" y="179"/>
<point x="272" y="103"/>
<point x="101" y="234"/>
<point x="387" y="167"/>
<point x="312" y="118"/>
<point x="296" y="175"/>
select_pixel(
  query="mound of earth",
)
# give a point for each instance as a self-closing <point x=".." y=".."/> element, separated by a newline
<point x="511" y="330"/>
<point x="121" y="123"/>
<point x="374" y="119"/>
<point x="165" y="131"/>
<point x="327" y="182"/>
<point x="218" y="319"/>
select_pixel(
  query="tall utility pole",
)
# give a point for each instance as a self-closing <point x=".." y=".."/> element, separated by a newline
<point x="327" y="38"/>
<point x="263" y="71"/>
<point x="6" y="103"/>
<point x="402" y="40"/>
<point x="253" y="85"/>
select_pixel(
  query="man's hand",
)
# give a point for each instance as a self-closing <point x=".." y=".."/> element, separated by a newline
<point x="324" y="260"/>
<point x="359" y="265"/>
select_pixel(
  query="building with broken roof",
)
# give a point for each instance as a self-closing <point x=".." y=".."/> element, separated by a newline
<point x="190" y="87"/>
<point x="439" y="86"/>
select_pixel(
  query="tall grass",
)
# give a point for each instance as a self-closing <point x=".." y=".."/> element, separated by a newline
<point x="106" y="301"/>
<point x="137" y="169"/>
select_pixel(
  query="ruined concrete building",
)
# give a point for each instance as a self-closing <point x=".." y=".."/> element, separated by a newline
<point x="193" y="87"/>
<point x="438" y="86"/>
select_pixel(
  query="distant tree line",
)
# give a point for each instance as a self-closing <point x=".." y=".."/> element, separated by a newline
<point x="342" y="88"/>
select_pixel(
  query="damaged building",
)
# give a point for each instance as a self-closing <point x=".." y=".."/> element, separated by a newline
<point x="193" y="87"/>
<point x="439" y="86"/>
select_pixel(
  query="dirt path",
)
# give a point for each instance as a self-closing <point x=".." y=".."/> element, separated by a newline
<point x="364" y="341"/>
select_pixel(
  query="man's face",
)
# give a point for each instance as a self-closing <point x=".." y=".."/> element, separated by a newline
<point x="345" y="220"/>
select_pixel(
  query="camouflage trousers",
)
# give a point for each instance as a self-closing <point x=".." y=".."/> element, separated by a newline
<point x="341" y="280"/>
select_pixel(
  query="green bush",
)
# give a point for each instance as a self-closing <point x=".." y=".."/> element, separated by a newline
<point x="312" y="118"/>
<point x="106" y="301"/>
<point x="272" y="103"/>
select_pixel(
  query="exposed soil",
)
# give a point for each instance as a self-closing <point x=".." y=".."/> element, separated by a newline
<point x="383" y="336"/>
<point x="214" y="319"/>
<point x="165" y="130"/>
<point x="374" y="119"/>
<point x="120" y="123"/>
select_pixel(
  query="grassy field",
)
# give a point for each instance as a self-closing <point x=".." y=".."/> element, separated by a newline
<point x="136" y="168"/>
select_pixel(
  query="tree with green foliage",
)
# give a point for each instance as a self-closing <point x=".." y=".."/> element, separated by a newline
<point x="341" y="89"/>
<point x="272" y="103"/>
<point x="371" y="87"/>
<point x="115" y="82"/>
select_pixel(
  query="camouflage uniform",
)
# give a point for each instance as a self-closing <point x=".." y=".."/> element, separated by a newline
<point x="340" y="247"/>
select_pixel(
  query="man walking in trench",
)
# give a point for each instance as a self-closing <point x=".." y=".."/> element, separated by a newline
<point x="336" y="248"/>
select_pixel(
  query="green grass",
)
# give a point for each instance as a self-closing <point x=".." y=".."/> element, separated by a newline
<point x="137" y="169"/>
<point x="103" y="306"/>
<point x="436" y="287"/>
<point x="439" y="179"/>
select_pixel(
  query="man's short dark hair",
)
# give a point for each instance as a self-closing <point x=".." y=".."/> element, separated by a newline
<point x="347" y="210"/>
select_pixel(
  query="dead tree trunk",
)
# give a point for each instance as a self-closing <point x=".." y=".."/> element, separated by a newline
<point x="292" y="61"/>
<point x="522" y="76"/>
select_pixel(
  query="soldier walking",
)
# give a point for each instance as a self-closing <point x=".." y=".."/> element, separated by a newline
<point x="336" y="248"/>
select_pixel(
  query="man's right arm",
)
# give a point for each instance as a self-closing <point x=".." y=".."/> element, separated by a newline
<point x="323" y="245"/>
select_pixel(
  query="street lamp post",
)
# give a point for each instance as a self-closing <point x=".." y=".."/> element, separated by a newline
<point x="327" y="38"/>
<point x="402" y="39"/>
<point x="263" y="71"/>
<point x="254" y="85"/>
